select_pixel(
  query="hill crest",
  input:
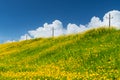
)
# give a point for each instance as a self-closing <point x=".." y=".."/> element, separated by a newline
<point x="94" y="54"/>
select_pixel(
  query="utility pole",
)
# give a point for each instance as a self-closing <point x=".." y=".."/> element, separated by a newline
<point x="52" y="31"/>
<point x="26" y="36"/>
<point x="110" y="17"/>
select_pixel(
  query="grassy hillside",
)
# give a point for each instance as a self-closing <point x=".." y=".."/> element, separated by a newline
<point x="93" y="55"/>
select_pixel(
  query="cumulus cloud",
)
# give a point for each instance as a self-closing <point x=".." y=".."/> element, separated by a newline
<point x="46" y="30"/>
<point x="25" y="37"/>
<point x="95" y="22"/>
<point x="57" y="26"/>
<point x="115" y="19"/>
<point x="9" y="41"/>
<point x="73" y="28"/>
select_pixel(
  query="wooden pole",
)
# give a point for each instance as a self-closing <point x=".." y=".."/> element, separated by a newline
<point x="52" y="31"/>
<point x="110" y="17"/>
<point x="109" y="20"/>
<point x="26" y="36"/>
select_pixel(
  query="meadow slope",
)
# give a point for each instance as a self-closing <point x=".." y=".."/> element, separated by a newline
<point x="92" y="55"/>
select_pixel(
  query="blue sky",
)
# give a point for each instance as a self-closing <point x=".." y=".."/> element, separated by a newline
<point x="19" y="16"/>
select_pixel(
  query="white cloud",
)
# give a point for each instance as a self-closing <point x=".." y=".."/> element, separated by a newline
<point x="46" y="30"/>
<point x="115" y="21"/>
<point x="25" y="37"/>
<point x="95" y="22"/>
<point x="73" y="28"/>
<point x="9" y="41"/>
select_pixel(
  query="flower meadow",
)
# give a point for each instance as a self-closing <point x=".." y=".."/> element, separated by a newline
<point x="92" y="55"/>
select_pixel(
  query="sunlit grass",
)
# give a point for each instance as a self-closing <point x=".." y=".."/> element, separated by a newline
<point x="92" y="55"/>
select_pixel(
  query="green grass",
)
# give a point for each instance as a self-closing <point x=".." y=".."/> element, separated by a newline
<point x="94" y="54"/>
